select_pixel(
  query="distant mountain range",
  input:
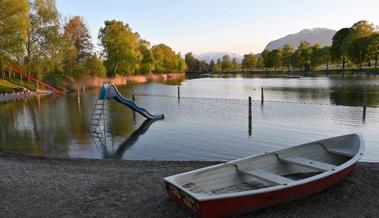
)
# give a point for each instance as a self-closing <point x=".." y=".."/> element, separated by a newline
<point x="208" y="56"/>
<point x="321" y="36"/>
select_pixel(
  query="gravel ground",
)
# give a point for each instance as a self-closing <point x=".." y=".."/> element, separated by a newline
<point x="48" y="187"/>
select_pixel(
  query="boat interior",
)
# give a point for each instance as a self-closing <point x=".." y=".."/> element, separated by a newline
<point x="283" y="167"/>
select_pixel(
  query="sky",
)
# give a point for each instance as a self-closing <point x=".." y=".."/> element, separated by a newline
<point x="237" y="26"/>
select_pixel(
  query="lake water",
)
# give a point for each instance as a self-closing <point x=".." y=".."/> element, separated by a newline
<point x="209" y="122"/>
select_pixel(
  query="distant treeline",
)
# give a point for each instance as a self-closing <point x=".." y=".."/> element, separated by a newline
<point x="354" y="47"/>
<point x="32" y="34"/>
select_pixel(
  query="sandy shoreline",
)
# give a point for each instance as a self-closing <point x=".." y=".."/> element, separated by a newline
<point x="50" y="187"/>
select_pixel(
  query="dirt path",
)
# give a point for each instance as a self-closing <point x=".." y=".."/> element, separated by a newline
<point x="43" y="187"/>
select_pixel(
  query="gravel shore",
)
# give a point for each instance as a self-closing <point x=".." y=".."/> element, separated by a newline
<point x="49" y="187"/>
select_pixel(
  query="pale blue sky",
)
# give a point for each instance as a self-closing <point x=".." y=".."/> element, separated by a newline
<point x="239" y="26"/>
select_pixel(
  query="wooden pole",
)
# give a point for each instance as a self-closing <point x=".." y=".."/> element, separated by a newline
<point x="364" y="103"/>
<point x="133" y="94"/>
<point x="178" y="92"/>
<point x="262" y="96"/>
<point x="250" y="116"/>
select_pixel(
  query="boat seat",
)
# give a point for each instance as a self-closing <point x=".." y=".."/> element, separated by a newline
<point x="341" y="152"/>
<point x="308" y="163"/>
<point x="266" y="176"/>
<point x="338" y="151"/>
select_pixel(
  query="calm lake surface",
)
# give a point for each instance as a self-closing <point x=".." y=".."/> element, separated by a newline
<point x="209" y="122"/>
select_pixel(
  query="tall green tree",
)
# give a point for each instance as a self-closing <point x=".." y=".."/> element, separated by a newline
<point x="147" y="62"/>
<point x="286" y="53"/>
<point x="316" y="56"/>
<point x="166" y="60"/>
<point x="218" y="65"/>
<point x="326" y="56"/>
<point x="305" y="52"/>
<point x="234" y="64"/>
<point x="94" y="66"/>
<point x="226" y="63"/>
<point x="79" y="47"/>
<point x="358" y="41"/>
<point x="359" y="50"/>
<point x="249" y="61"/>
<point x="121" y="48"/>
<point x="339" y="46"/>
<point x="192" y="62"/>
<point x="374" y="47"/>
<point x="275" y="59"/>
<point x="44" y="42"/>
<point x="295" y="59"/>
<point x="212" y="66"/>
<point x="266" y="62"/>
<point x="14" y="22"/>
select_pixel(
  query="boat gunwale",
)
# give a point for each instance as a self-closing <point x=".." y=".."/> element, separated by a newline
<point x="337" y="169"/>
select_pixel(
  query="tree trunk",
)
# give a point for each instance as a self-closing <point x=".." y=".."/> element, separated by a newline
<point x="376" y="61"/>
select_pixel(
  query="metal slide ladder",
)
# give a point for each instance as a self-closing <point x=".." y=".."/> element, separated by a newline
<point x="97" y="125"/>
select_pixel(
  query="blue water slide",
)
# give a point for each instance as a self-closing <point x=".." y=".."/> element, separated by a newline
<point x="109" y="90"/>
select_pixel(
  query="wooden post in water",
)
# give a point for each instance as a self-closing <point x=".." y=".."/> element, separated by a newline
<point x="179" y="92"/>
<point x="250" y="116"/>
<point x="262" y="96"/>
<point x="364" y="104"/>
<point x="133" y="94"/>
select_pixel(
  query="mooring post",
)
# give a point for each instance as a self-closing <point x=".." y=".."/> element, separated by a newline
<point x="178" y="92"/>
<point x="262" y="96"/>
<point x="250" y="115"/>
<point x="133" y="94"/>
<point x="364" y="103"/>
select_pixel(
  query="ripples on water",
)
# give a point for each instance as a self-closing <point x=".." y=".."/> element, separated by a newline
<point x="209" y="122"/>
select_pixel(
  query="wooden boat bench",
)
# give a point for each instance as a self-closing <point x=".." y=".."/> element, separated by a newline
<point x="318" y="165"/>
<point x="266" y="176"/>
<point x="337" y="151"/>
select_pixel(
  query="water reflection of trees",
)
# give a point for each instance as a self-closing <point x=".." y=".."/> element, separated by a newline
<point x="354" y="95"/>
<point x="29" y="127"/>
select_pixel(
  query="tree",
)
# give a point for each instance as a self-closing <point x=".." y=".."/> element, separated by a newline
<point x="94" y="66"/>
<point x="234" y="64"/>
<point x="361" y="29"/>
<point x="226" y="64"/>
<point x="192" y="62"/>
<point x="286" y="53"/>
<point x="326" y="56"/>
<point x="212" y="66"/>
<point x="147" y="62"/>
<point x="305" y="51"/>
<point x="218" y="65"/>
<point x="249" y="61"/>
<point x="295" y="59"/>
<point x="275" y="59"/>
<point x="358" y="41"/>
<point x="121" y="48"/>
<point x="339" y="46"/>
<point x="359" y="50"/>
<point x="44" y="41"/>
<point x="79" y="47"/>
<point x="77" y="34"/>
<point x="374" y="47"/>
<point x="265" y="59"/>
<point x="166" y="60"/>
<point x="316" y="56"/>
<point x="13" y="28"/>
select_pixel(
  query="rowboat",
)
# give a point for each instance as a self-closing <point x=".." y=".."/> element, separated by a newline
<point x="263" y="180"/>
